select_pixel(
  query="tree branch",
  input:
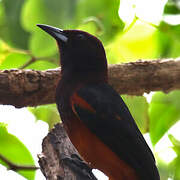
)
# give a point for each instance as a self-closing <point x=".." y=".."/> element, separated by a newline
<point x="16" y="167"/>
<point x="60" y="159"/>
<point x="31" y="88"/>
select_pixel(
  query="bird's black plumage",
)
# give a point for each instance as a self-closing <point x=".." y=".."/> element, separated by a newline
<point x="94" y="114"/>
<point x="121" y="135"/>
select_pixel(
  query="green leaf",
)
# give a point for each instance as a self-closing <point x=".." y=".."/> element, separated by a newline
<point x="4" y="51"/>
<point x="2" y="15"/>
<point x="175" y="164"/>
<point x="58" y="13"/>
<point x="11" y="29"/>
<point x="164" y="111"/>
<point x="106" y="12"/>
<point x="168" y="40"/>
<point x="165" y="170"/>
<point x="176" y="168"/>
<point x="42" y="65"/>
<point x="69" y="14"/>
<point x="47" y="113"/>
<point x="41" y="44"/>
<point x="14" y="60"/>
<point x="164" y="43"/>
<point x="171" y="7"/>
<point x="15" y="151"/>
<point x="176" y="144"/>
<point x="92" y="25"/>
<point x="139" y="42"/>
<point x="138" y="107"/>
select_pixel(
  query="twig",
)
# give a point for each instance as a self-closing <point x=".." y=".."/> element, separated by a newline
<point x="130" y="25"/>
<point x="16" y="167"/>
<point x="34" y="59"/>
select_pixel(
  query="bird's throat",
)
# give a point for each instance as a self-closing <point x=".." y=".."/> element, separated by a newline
<point x="89" y="77"/>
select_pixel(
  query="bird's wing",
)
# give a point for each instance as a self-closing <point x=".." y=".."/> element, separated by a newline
<point x="103" y="111"/>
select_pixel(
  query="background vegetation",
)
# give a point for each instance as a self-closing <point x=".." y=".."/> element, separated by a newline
<point x="127" y="36"/>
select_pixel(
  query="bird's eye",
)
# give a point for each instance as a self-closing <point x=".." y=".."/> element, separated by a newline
<point x="80" y="36"/>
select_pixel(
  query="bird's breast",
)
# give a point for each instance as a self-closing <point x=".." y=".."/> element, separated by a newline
<point x="96" y="153"/>
<point x="90" y="147"/>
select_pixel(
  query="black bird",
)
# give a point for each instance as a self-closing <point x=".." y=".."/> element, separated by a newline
<point x="95" y="117"/>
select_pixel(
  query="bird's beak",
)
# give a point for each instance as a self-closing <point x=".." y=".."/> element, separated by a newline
<point x="57" y="33"/>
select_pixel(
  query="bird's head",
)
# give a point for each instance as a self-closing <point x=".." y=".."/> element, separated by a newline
<point x="80" y="51"/>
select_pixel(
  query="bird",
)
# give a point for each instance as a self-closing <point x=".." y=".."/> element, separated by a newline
<point x="95" y="117"/>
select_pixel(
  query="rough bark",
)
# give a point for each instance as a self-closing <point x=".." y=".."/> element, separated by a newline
<point x="60" y="160"/>
<point x="31" y="88"/>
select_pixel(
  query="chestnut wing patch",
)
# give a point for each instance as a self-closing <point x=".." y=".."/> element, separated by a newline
<point x="104" y="113"/>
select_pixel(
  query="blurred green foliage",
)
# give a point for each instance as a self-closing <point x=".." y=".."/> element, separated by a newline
<point x="138" y="104"/>
<point x="15" y="151"/>
<point x="172" y="7"/>
<point x="164" y="111"/>
<point x="175" y="164"/>
<point x="47" y="113"/>
<point x="23" y="45"/>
